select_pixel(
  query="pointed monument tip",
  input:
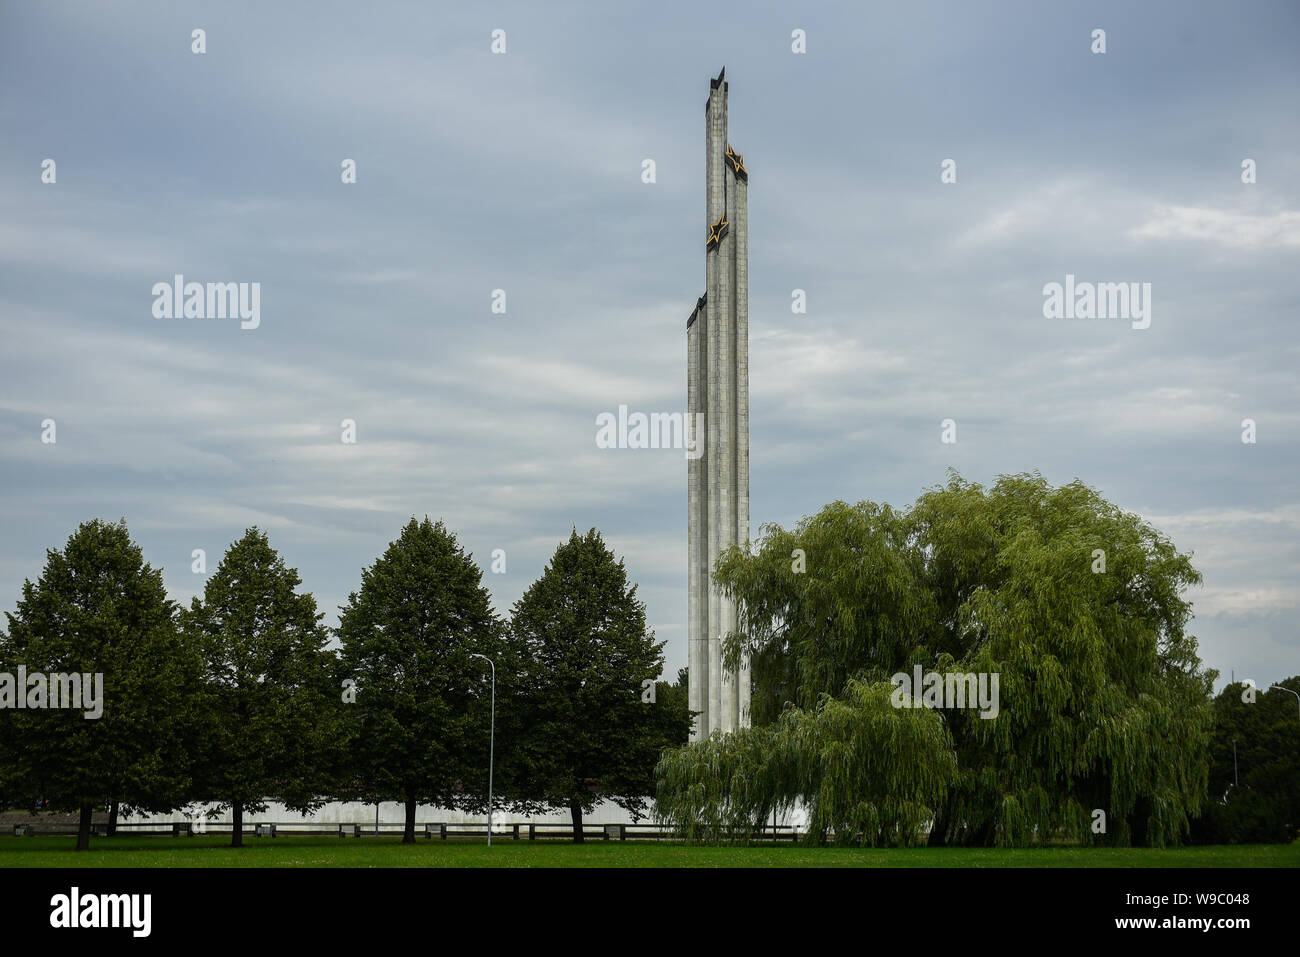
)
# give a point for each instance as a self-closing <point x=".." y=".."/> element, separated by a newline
<point x="715" y="84"/>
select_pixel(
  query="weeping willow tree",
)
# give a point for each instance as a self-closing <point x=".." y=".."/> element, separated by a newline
<point x="1075" y="604"/>
<point x="868" y="773"/>
<point x="1104" y="703"/>
<point x="722" y="789"/>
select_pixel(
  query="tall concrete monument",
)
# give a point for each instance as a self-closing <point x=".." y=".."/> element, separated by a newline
<point x="717" y="386"/>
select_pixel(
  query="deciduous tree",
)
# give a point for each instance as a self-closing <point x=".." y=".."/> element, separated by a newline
<point x="274" y="719"/>
<point x="588" y="662"/>
<point x="99" y="608"/>
<point x="1075" y="604"/>
<point x="421" y="712"/>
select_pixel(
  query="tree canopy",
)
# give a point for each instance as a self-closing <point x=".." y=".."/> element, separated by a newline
<point x="421" y="715"/>
<point x="273" y="719"/>
<point x="870" y="772"/>
<point x="99" y="608"/>
<point x="596" y="715"/>
<point x="1254" y="766"/>
<point x="1075" y="604"/>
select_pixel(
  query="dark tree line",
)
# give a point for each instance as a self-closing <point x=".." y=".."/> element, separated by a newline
<point x="240" y="699"/>
<point x="1254" y="767"/>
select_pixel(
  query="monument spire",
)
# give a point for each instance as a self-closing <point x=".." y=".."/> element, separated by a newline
<point x="717" y="386"/>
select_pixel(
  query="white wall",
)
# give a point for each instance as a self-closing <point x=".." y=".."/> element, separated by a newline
<point x="390" y="812"/>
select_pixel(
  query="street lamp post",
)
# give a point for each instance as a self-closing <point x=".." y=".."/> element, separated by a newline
<point x="1284" y="688"/>
<point x="492" y="741"/>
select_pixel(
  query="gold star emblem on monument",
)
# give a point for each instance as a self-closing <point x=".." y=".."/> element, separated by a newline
<point x="737" y="161"/>
<point x="716" y="231"/>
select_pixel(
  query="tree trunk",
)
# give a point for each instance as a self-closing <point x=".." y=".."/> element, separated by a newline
<point x="575" y="811"/>
<point x="408" y="832"/>
<point x="1140" y="819"/>
<point x="237" y="828"/>
<point x="939" y="828"/>
<point x="985" y="834"/>
<point x="112" y="819"/>
<point x="83" y="827"/>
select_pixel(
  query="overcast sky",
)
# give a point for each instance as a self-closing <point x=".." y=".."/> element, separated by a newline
<point x="522" y="172"/>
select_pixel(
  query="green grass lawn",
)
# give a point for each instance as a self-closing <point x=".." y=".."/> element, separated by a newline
<point x="213" y="851"/>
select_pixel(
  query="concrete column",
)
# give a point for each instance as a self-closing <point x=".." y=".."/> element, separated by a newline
<point x="740" y="429"/>
<point x="717" y="311"/>
<point x="726" y="392"/>
<point x="718" y="386"/>
<point x="695" y="656"/>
